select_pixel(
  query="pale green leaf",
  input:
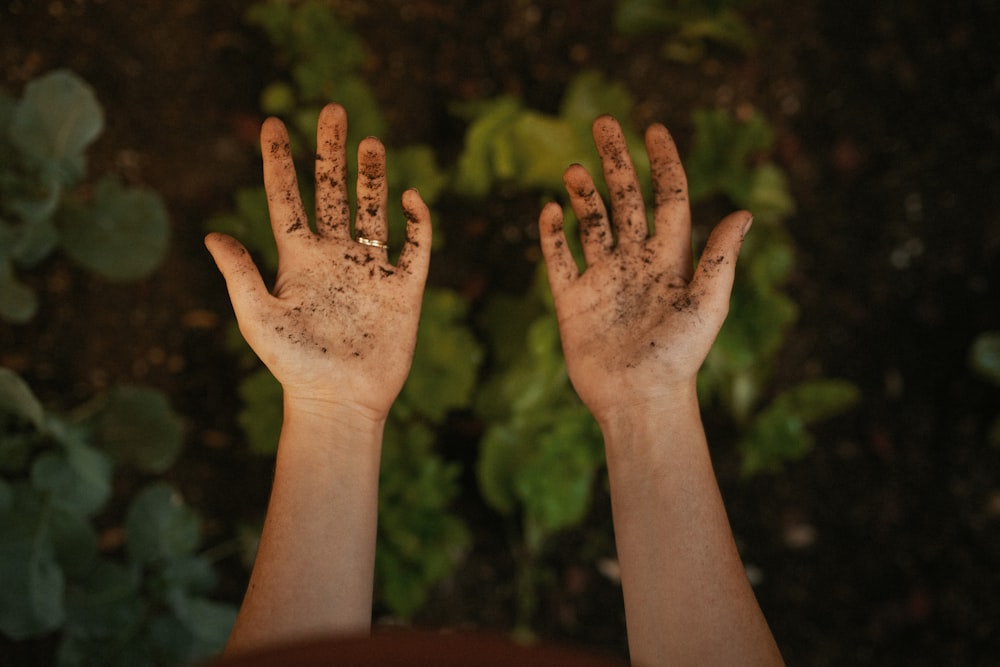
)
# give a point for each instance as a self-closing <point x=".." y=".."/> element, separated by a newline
<point x="76" y="480"/>
<point x="122" y="235"/>
<point x="160" y="527"/>
<point x="17" y="399"/>
<point x="31" y="597"/>
<point x="55" y="121"/>
<point x="262" y="411"/>
<point x="138" y="426"/>
<point x="446" y="359"/>
<point x="18" y="303"/>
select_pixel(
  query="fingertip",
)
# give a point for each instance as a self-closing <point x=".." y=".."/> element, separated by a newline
<point x="550" y="220"/>
<point x="333" y="111"/>
<point x="371" y="146"/>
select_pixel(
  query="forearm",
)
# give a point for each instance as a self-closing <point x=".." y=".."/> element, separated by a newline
<point x="687" y="597"/>
<point x="315" y="563"/>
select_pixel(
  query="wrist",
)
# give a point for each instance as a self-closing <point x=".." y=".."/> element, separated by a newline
<point x="652" y="429"/>
<point x="335" y="421"/>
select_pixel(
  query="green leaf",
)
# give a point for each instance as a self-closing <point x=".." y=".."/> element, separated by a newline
<point x="475" y="170"/>
<point x="123" y="235"/>
<point x="541" y="148"/>
<point x="31" y="598"/>
<point x="262" y="411"/>
<point x="18" y="303"/>
<point x="779" y="432"/>
<point x="191" y="574"/>
<point x="35" y="241"/>
<point x="74" y="540"/>
<point x="104" y="604"/>
<point x="208" y="622"/>
<point x="160" y="527"/>
<point x="984" y="356"/>
<point x="420" y="540"/>
<point x="555" y="482"/>
<point x="76" y="480"/>
<point x="17" y="399"/>
<point x="446" y="359"/>
<point x="138" y="426"/>
<point x="55" y="121"/>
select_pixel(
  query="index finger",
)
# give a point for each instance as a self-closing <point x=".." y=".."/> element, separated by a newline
<point x="288" y="217"/>
<point x="628" y="213"/>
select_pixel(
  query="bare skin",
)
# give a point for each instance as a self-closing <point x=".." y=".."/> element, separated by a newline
<point x="338" y="332"/>
<point x="636" y="325"/>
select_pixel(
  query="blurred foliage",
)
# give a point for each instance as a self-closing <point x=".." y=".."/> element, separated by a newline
<point x="118" y="232"/>
<point x="65" y="574"/>
<point x="984" y="358"/>
<point x="690" y="25"/>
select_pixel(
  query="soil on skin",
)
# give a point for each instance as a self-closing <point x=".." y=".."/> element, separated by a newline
<point x="878" y="548"/>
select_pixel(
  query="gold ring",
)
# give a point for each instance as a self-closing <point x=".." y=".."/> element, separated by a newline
<point x="372" y="242"/>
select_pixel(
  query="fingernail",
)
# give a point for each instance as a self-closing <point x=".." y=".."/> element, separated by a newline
<point x="747" y="223"/>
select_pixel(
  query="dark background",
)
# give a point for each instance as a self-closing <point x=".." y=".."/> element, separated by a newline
<point x="882" y="546"/>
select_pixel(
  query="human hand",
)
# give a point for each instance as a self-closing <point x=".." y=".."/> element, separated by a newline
<point x="637" y="324"/>
<point x="340" y="325"/>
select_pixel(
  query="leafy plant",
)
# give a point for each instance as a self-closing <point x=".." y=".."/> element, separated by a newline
<point x="120" y="233"/>
<point x="145" y="605"/>
<point x="691" y="25"/>
<point x="727" y="161"/>
<point x="541" y="450"/>
<point x="984" y="358"/>
<point x="510" y="145"/>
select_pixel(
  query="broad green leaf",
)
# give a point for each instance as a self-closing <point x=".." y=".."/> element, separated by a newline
<point x="542" y="147"/>
<point x="191" y="574"/>
<point x="160" y="527"/>
<point x="35" y="241"/>
<point x="779" y="433"/>
<point x="420" y="540"/>
<point x="555" y="482"/>
<point x="475" y="171"/>
<point x="55" y="121"/>
<point x="18" y="303"/>
<point x="17" y="399"/>
<point x="104" y="604"/>
<point x="74" y="540"/>
<point x="138" y="426"/>
<point x="262" y="411"/>
<point x="984" y="356"/>
<point x="209" y="623"/>
<point x="31" y="597"/>
<point x="122" y="235"/>
<point x="76" y="480"/>
<point x="446" y="359"/>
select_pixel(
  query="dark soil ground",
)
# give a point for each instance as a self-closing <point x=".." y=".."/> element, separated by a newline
<point x="879" y="548"/>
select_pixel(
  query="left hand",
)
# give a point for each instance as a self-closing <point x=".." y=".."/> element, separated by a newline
<point x="340" y="326"/>
<point x="637" y="324"/>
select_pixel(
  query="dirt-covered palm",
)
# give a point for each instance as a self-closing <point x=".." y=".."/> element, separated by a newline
<point x="340" y="325"/>
<point x="638" y="322"/>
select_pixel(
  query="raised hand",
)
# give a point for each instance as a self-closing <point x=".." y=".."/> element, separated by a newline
<point x="637" y="323"/>
<point x="340" y="325"/>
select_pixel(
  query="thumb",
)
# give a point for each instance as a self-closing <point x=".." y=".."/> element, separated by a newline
<point x="246" y="287"/>
<point x="713" y="278"/>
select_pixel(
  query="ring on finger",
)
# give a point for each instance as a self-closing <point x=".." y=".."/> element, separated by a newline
<point x="372" y="242"/>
